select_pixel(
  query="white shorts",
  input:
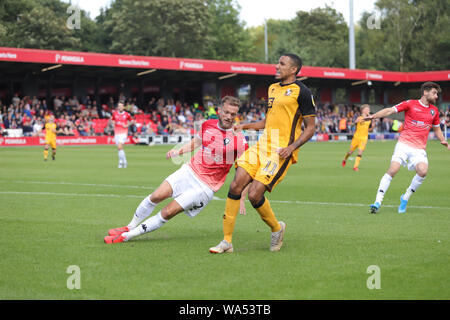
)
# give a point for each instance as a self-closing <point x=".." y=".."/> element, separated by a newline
<point x="120" y="138"/>
<point x="408" y="156"/>
<point x="189" y="191"/>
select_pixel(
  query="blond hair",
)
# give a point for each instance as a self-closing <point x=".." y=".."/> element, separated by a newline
<point x="231" y="101"/>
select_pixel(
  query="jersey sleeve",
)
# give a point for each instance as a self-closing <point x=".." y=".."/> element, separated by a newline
<point x="240" y="148"/>
<point x="199" y="134"/>
<point x="403" y="106"/>
<point x="436" y="119"/>
<point x="244" y="143"/>
<point x="306" y="102"/>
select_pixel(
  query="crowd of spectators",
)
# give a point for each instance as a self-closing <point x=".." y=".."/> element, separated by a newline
<point x="158" y="116"/>
<point x="341" y="118"/>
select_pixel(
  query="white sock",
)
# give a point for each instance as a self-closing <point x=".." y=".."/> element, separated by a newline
<point x="144" y="209"/>
<point x="149" y="225"/>
<point x="383" y="187"/>
<point x="415" y="184"/>
<point x="122" y="157"/>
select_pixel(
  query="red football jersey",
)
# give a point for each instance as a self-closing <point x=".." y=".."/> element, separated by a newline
<point x="121" y="122"/>
<point x="220" y="149"/>
<point x="419" y="119"/>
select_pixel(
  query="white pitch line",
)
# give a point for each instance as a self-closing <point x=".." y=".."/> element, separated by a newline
<point x="343" y="204"/>
<point x="214" y="198"/>
<point x="84" y="184"/>
<point x="101" y="195"/>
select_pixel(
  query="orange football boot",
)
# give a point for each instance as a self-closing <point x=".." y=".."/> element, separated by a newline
<point x="117" y="231"/>
<point x="114" y="239"/>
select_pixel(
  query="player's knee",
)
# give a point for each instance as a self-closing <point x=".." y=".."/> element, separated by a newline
<point x="168" y="214"/>
<point x="393" y="169"/>
<point x="392" y="173"/>
<point x="254" y="196"/>
<point x="235" y="188"/>
<point x="156" y="197"/>
<point x="422" y="170"/>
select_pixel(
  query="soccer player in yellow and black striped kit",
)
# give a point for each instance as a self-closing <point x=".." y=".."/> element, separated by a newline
<point x="50" y="137"/>
<point x="360" y="137"/>
<point x="264" y="165"/>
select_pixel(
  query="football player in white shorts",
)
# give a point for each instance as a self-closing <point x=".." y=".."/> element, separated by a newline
<point x="420" y="116"/>
<point x="122" y="121"/>
<point x="193" y="185"/>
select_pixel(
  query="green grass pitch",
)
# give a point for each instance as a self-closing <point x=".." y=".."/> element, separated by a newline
<point x="55" y="214"/>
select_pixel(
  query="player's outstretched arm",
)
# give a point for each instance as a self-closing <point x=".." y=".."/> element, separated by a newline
<point x="188" y="147"/>
<point x="251" y="126"/>
<point x="440" y="136"/>
<point x="381" y="114"/>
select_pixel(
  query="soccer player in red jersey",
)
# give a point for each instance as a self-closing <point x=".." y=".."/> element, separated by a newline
<point x="121" y="120"/>
<point x="420" y="116"/>
<point x="194" y="184"/>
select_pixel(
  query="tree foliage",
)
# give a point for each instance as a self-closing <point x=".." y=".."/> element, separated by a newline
<point x="228" y="39"/>
<point x="413" y="35"/>
<point x="172" y="28"/>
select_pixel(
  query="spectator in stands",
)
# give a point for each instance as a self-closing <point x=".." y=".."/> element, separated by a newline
<point x="151" y="105"/>
<point x="105" y="111"/>
<point x="132" y="129"/>
<point x="110" y="104"/>
<point x="2" y="129"/>
<point x="57" y="103"/>
<point x="7" y="121"/>
<point x="147" y="128"/>
<point x="163" y="125"/>
<point x="68" y="128"/>
<point x="82" y="130"/>
<point x="343" y="124"/>
<point x="16" y="100"/>
<point x="27" y="128"/>
<point x="109" y="129"/>
<point x="37" y="126"/>
<point x="170" y="107"/>
<point x="386" y="125"/>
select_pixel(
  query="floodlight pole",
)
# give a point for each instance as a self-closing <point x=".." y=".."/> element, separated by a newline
<point x="266" y="47"/>
<point x="351" y="39"/>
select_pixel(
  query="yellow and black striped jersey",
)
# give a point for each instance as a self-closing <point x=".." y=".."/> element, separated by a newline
<point x="362" y="129"/>
<point x="49" y="127"/>
<point x="288" y="105"/>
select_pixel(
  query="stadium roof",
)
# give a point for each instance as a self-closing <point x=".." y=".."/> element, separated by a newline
<point x="54" y="57"/>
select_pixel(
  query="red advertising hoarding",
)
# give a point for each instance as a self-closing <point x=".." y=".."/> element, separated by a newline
<point x="60" y="141"/>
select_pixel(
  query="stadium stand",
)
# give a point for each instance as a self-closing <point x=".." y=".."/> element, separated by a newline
<point x="74" y="118"/>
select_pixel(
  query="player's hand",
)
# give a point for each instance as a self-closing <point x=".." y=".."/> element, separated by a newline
<point x="285" y="152"/>
<point x="445" y="143"/>
<point x="368" y="118"/>
<point x="237" y="127"/>
<point x="172" y="154"/>
<point x="242" y="209"/>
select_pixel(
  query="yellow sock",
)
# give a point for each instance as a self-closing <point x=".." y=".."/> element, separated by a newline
<point x="357" y="160"/>
<point x="265" y="211"/>
<point x="229" y="217"/>
<point x="45" y="154"/>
